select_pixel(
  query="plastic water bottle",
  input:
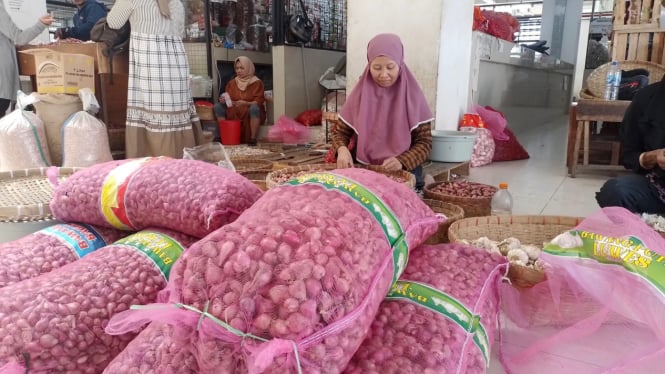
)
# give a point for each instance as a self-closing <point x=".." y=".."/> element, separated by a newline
<point x="612" y="81"/>
<point x="502" y="201"/>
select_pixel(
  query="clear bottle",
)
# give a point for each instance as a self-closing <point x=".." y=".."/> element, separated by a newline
<point x="502" y="201"/>
<point x="612" y="81"/>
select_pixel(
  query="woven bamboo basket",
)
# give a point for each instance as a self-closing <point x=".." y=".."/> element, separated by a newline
<point x="594" y="87"/>
<point x="452" y="213"/>
<point x="250" y="163"/>
<point x="258" y="177"/>
<point x="25" y="194"/>
<point x="205" y="113"/>
<point x="274" y="176"/>
<point x="404" y="176"/>
<point x="534" y="230"/>
<point x="473" y="206"/>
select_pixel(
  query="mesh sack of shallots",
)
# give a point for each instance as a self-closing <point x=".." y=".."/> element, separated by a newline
<point x="294" y="283"/>
<point x="192" y="197"/>
<point x="55" y="322"/>
<point x="23" y="143"/>
<point x="439" y="317"/>
<point x="155" y="350"/>
<point x="51" y="248"/>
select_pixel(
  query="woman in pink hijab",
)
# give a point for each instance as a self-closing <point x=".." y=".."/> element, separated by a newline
<point x="387" y="112"/>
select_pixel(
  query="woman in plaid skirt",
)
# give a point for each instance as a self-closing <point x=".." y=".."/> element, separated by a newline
<point x="161" y="117"/>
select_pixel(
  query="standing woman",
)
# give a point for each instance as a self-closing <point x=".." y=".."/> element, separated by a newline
<point x="388" y="113"/>
<point x="11" y="36"/>
<point x="161" y="118"/>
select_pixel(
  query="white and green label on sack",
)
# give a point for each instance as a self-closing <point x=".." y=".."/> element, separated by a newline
<point x="80" y="238"/>
<point x="160" y="248"/>
<point x="446" y="305"/>
<point x="373" y="204"/>
<point x="628" y="252"/>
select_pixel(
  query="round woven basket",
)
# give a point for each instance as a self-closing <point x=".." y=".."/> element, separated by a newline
<point x="25" y="194"/>
<point x="273" y="178"/>
<point x="594" y="87"/>
<point x="403" y="176"/>
<point x="399" y="175"/>
<point x="452" y="213"/>
<point x="250" y="163"/>
<point x="205" y="113"/>
<point x="473" y="206"/>
<point x="534" y="230"/>
<point x="258" y="177"/>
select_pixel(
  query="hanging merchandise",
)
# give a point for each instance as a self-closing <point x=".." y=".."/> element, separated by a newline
<point x="300" y="26"/>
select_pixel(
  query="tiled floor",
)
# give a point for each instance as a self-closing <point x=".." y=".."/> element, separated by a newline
<point x="540" y="185"/>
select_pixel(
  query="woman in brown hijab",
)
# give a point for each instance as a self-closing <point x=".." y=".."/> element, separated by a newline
<point x="247" y="100"/>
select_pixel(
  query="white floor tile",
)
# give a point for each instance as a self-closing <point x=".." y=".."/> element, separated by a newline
<point x="540" y="185"/>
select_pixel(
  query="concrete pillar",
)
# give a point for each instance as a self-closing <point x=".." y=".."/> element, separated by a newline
<point x="454" y="65"/>
<point x="561" y="28"/>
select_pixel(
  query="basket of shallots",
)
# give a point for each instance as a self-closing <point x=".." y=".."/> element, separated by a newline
<point x="519" y="238"/>
<point x="474" y="198"/>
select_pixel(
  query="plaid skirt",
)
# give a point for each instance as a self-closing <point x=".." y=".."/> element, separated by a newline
<point x="161" y="117"/>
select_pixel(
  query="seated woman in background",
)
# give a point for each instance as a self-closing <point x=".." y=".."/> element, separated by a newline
<point x="388" y="112"/>
<point x="247" y="100"/>
<point x="642" y="134"/>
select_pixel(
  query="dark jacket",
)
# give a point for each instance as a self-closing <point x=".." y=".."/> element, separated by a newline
<point x="643" y="127"/>
<point x="84" y="19"/>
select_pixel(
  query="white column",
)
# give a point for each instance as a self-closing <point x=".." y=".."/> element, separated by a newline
<point x="454" y="64"/>
<point x="561" y="27"/>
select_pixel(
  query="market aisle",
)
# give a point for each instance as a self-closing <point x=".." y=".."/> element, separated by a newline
<point x="540" y="185"/>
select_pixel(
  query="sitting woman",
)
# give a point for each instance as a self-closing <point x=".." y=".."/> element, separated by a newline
<point x="642" y="135"/>
<point x="247" y="100"/>
<point x="388" y="114"/>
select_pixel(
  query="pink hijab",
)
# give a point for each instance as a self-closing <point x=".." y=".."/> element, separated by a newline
<point x="382" y="117"/>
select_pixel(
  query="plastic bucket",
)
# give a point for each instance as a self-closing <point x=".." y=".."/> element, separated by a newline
<point x="229" y="131"/>
<point x="452" y="146"/>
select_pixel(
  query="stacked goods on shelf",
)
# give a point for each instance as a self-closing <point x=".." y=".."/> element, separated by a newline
<point x="296" y="281"/>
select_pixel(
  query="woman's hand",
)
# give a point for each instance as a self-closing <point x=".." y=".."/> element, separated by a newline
<point x="46" y="19"/>
<point x="344" y="158"/>
<point x="392" y="164"/>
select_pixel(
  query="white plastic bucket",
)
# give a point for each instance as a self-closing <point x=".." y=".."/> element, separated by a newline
<point x="452" y="146"/>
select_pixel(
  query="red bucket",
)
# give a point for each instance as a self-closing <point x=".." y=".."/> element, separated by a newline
<point x="229" y="131"/>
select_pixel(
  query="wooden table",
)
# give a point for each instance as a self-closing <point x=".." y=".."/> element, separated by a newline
<point x="581" y="116"/>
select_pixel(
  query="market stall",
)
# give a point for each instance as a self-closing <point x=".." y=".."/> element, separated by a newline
<point x="110" y="90"/>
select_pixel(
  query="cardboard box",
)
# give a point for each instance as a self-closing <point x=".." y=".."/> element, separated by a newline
<point x="94" y="50"/>
<point x="61" y="72"/>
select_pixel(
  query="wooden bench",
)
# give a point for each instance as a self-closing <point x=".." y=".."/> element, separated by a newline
<point x="586" y="112"/>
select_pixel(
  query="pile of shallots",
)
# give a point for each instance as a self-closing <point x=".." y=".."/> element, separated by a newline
<point x="294" y="283"/>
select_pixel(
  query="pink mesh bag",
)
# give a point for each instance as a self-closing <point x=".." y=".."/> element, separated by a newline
<point x="294" y="284"/>
<point x="608" y="273"/>
<point x="51" y="248"/>
<point x="55" y="323"/>
<point x="155" y="350"/>
<point x="439" y="317"/>
<point x="192" y="197"/>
